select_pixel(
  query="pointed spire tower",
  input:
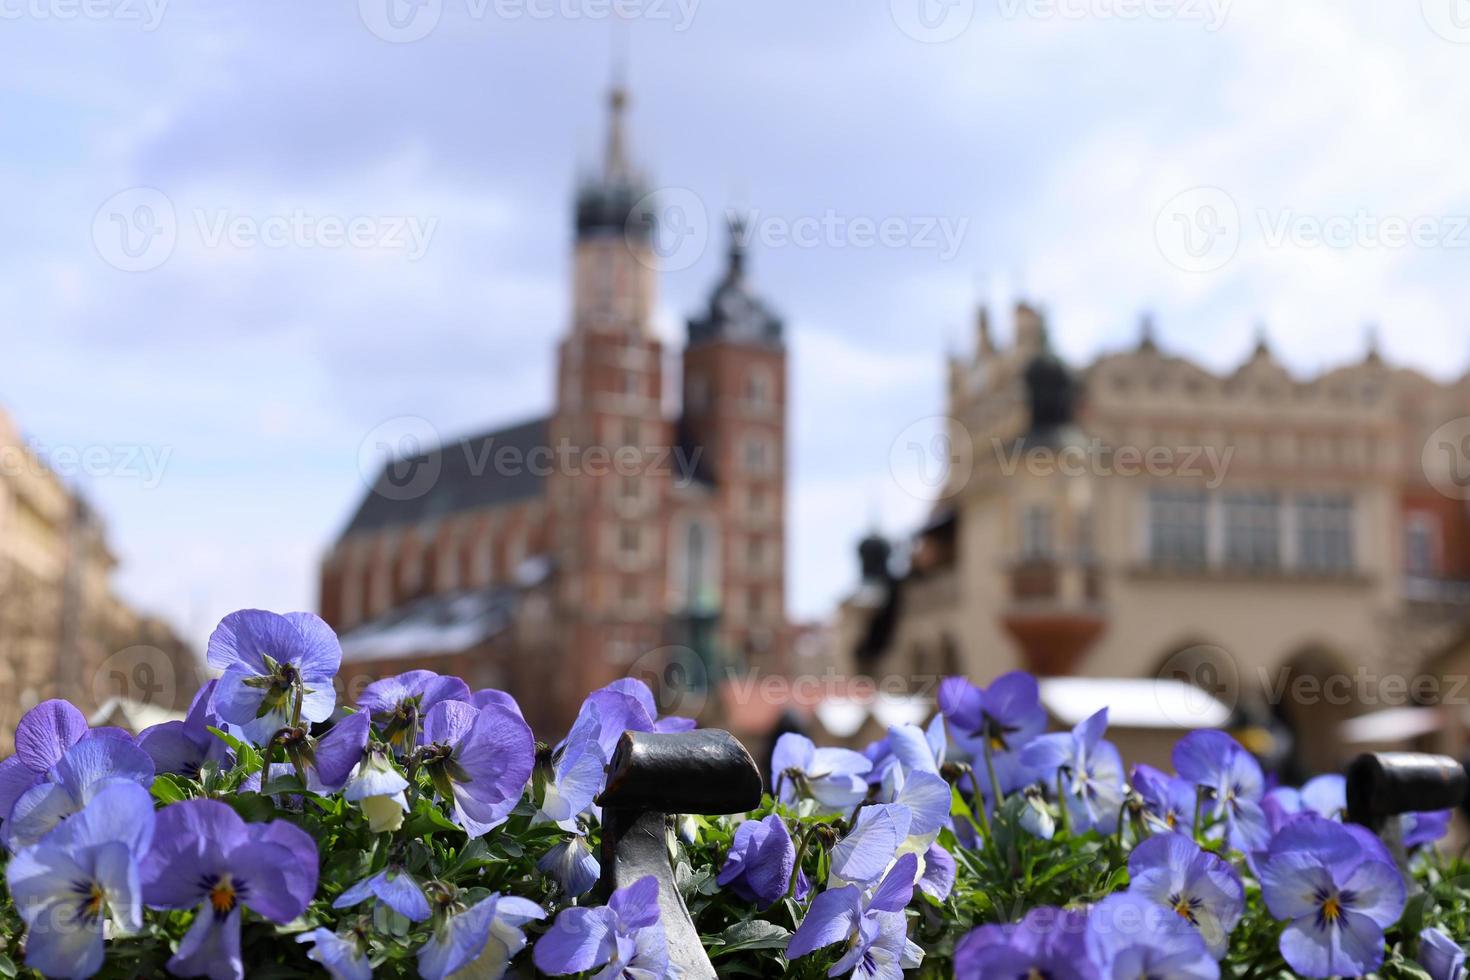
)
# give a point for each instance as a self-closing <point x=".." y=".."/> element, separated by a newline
<point x="616" y="219"/>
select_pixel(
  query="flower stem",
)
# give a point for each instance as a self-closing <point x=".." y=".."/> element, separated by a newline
<point x="994" y="781"/>
<point x="1066" y="816"/>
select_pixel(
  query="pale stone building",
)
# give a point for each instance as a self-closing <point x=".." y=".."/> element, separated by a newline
<point x="1275" y="540"/>
<point x="63" y="631"/>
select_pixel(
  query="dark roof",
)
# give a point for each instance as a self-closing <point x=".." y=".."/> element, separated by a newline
<point x="486" y="470"/>
<point x="735" y="311"/>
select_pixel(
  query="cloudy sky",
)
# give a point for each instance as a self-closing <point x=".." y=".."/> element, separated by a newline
<point x="184" y="331"/>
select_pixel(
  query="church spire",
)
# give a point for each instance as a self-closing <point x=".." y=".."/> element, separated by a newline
<point x="617" y="199"/>
<point x="615" y="168"/>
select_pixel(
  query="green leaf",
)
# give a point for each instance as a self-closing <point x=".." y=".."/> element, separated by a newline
<point x="166" y="790"/>
<point x="750" y="935"/>
<point x="7" y="967"/>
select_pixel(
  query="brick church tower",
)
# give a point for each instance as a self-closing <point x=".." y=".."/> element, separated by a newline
<point x="610" y="485"/>
<point x="735" y="410"/>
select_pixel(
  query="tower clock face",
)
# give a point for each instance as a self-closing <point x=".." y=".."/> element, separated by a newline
<point x="744" y="317"/>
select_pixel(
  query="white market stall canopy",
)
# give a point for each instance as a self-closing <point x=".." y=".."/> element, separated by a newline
<point x="1142" y="702"/>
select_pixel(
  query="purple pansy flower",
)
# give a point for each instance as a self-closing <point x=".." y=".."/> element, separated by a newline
<point x="872" y="844"/>
<point x="41" y="738"/>
<point x="761" y="859"/>
<point x="1334" y="896"/>
<point x="831" y="777"/>
<point x="1091" y="772"/>
<point x="999" y="720"/>
<point x="183" y="747"/>
<point x="1232" y="778"/>
<point x="1129" y="937"/>
<point x="625" y="937"/>
<point x="1048" y="942"/>
<point x="84" y="770"/>
<point x="1441" y="957"/>
<point x="577" y="770"/>
<point x="395" y="888"/>
<point x="398" y="704"/>
<point x="1168" y="801"/>
<point x="873" y="926"/>
<point x="343" y="957"/>
<point x="480" y="941"/>
<point x="78" y="876"/>
<point x="572" y="865"/>
<point x="271" y="664"/>
<point x="1198" y="886"/>
<point x="1425" y="828"/>
<point x="478" y="760"/>
<point x="206" y="857"/>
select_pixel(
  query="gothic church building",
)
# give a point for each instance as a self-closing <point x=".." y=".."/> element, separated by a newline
<point x="606" y="538"/>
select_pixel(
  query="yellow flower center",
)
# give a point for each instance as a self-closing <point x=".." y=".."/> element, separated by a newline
<point x="1331" y="909"/>
<point x="222" y="896"/>
<point x="94" y="903"/>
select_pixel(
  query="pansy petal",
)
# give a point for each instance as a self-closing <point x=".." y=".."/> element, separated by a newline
<point x="286" y="856"/>
<point x="834" y="915"/>
<point x="338" y="751"/>
<point x="318" y="653"/>
<point x="1378" y="891"/>
<point x="578" y="941"/>
<point x="938" y="877"/>
<point x="959" y="703"/>
<point x="867" y="849"/>
<point x="15" y="778"/>
<point x="402" y="893"/>
<point x="636" y="905"/>
<point x="928" y="798"/>
<point x="448" y="722"/>
<point x="46" y="732"/>
<point x="210" y="948"/>
<point x="897" y="887"/>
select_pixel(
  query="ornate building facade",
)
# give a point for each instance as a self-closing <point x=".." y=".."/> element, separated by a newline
<point x="1280" y="541"/>
<point x="610" y="536"/>
<point x="64" y="632"/>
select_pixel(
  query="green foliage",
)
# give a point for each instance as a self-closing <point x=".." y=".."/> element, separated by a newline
<point x="1001" y="874"/>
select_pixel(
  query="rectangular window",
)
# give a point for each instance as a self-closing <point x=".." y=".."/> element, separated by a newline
<point x="1177" y="528"/>
<point x="1253" y="529"/>
<point x="1036" y="543"/>
<point x="1421" y="532"/>
<point x="1325" y="532"/>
